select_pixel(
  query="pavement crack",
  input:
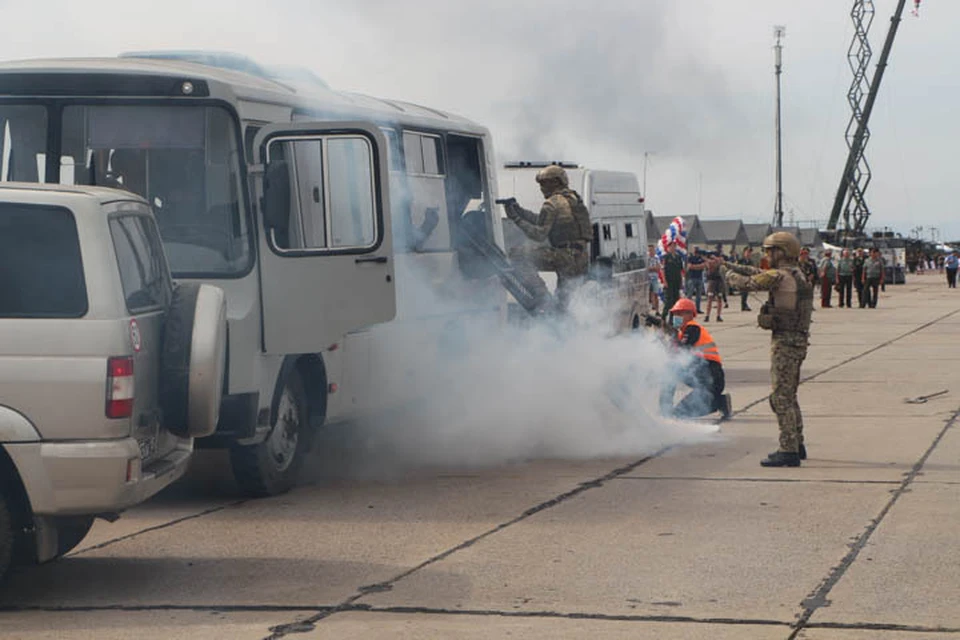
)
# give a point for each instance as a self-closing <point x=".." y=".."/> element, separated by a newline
<point x="818" y="598"/>
<point x="834" y="367"/>
<point x="763" y="480"/>
<point x="574" y="615"/>
<point x="157" y="527"/>
<point x="349" y="604"/>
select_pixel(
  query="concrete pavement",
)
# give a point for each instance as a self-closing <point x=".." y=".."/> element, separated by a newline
<point x="698" y="542"/>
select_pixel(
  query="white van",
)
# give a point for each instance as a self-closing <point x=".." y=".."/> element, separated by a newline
<point x="319" y="213"/>
<point x="619" y="249"/>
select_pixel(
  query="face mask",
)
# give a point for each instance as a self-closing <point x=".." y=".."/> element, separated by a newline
<point x="677" y="322"/>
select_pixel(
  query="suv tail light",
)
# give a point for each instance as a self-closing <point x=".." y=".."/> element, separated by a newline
<point x="120" y="387"/>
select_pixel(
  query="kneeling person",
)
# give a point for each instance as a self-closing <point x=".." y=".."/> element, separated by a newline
<point x="704" y="374"/>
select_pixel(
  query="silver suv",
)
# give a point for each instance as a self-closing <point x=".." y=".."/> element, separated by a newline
<point x="107" y="369"/>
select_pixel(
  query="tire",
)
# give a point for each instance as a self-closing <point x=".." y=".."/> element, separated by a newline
<point x="271" y="467"/>
<point x="8" y="536"/>
<point x="192" y="360"/>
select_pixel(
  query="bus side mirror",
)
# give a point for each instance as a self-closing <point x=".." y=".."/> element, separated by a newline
<point x="275" y="203"/>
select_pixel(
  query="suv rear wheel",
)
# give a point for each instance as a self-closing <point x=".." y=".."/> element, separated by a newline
<point x="271" y="467"/>
<point x="7" y="536"/>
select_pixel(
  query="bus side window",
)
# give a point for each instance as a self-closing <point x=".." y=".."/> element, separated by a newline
<point x="331" y="204"/>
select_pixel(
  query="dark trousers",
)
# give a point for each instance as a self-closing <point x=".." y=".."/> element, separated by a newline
<point x="872" y="292"/>
<point x="743" y="301"/>
<point x="706" y="381"/>
<point x="846" y="290"/>
<point x="952" y="278"/>
<point x="858" y="283"/>
<point x="826" y="290"/>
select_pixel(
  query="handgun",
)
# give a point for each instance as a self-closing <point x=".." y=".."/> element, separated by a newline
<point x="506" y="201"/>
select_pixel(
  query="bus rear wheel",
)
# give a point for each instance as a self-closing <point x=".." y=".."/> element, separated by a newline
<point x="271" y="467"/>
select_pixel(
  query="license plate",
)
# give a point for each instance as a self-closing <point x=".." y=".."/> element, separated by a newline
<point x="148" y="447"/>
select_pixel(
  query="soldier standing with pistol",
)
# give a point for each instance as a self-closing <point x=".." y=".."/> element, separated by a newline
<point x="565" y="222"/>
<point x="787" y="315"/>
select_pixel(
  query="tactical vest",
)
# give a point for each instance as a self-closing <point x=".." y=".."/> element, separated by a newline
<point x="795" y="320"/>
<point x="573" y="220"/>
<point x="705" y="347"/>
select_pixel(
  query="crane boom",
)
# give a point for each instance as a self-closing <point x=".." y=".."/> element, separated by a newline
<point x="849" y="176"/>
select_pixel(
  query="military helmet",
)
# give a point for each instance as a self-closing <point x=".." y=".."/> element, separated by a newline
<point x="553" y="172"/>
<point x="785" y="241"/>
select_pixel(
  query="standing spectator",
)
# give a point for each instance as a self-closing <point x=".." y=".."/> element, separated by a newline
<point x="672" y="277"/>
<point x="845" y="278"/>
<point x="653" y="275"/>
<point x="883" y="281"/>
<point x="950" y="264"/>
<point x="828" y="277"/>
<point x="723" y="289"/>
<point x="858" y="261"/>
<point x="807" y="266"/>
<point x="746" y="258"/>
<point x="715" y="286"/>
<point x="940" y="262"/>
<point x="872" y="277"/>
<point x="695" y="268"/>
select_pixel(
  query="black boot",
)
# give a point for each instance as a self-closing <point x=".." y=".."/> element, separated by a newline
<point x="726" y="406"/>
<point x="803" y="452"/>
<point x="781" y="459"/>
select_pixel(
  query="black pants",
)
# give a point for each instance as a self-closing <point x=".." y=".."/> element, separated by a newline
<point x="952" y="278"/>
<point x="706" y="381"/>
<point x="872" y="292"/>
<point x="846" y="290"/>
<point x="858" y="283"/>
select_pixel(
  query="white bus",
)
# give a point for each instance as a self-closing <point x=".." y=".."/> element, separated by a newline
<point x="618" y="254"/>
<point x="312" y="209"/>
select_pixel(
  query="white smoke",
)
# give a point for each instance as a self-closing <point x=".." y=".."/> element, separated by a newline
<point x="505" y="393"/>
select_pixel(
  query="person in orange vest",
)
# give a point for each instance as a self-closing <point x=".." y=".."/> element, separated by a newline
<point x="704" y="374"/>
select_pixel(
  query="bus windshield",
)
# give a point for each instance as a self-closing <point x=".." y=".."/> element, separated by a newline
<point x="183" y="159"/>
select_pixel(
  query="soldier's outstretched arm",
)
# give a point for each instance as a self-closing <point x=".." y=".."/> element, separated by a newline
<point x="761" y="280"/>
<point x="539" y="229"/>
<point x="742" y="269"/>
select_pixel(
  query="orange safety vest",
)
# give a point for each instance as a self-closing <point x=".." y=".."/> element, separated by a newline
<point x="705" y="347"/>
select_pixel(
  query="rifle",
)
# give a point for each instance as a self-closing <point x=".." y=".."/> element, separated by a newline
<point x="506" y="201"/>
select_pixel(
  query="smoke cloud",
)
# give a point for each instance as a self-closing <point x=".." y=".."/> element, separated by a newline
<point x="488" y="394"/>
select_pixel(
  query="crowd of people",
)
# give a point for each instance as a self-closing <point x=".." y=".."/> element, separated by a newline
<point x="696" y="276"/>
<point x="856" y="276"/>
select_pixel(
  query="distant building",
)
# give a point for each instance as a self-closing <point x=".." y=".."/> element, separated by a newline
<point x="810" y="237"/>
<point x="729" y="234"/>
<point x="756" y="232"/>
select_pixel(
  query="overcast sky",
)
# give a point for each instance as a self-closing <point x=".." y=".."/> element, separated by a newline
<point x="688" y="82"/>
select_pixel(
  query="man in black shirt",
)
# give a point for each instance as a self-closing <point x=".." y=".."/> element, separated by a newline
<point x="858" y="262"/>
<point x="746" y="258"/>
<point x="695" y="268"/>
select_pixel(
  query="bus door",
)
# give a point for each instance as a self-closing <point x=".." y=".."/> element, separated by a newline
<point x="326" y="254"/>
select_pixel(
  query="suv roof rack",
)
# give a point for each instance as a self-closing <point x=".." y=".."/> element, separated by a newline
<point x="539" y="164"/>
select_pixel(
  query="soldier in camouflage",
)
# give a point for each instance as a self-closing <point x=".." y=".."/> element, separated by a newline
<point x="563" y="221"/>
<point x="787" y="314"/>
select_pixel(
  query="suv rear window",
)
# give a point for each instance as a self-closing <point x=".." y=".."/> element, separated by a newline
<point x="41" y="273"/>
<point x="143" y="270"/>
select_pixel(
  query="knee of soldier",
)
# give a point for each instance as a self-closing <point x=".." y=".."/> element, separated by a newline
<point x="780" y="401"/>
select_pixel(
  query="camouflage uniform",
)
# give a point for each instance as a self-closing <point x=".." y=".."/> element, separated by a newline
<point x="787" y="315"/>
<point x="565" y="222"/>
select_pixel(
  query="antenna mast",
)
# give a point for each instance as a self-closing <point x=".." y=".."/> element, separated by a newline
<point x="778" y="32"/>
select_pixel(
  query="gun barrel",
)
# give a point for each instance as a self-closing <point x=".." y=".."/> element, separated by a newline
<point x="505" y="200"/>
